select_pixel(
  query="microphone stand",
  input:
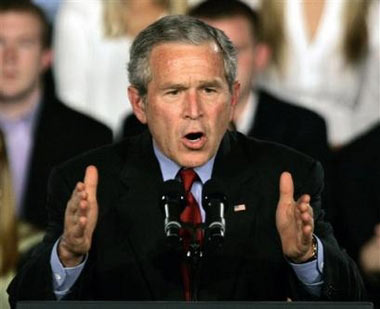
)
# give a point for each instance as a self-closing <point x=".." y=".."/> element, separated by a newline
<point x="193" y="257"/>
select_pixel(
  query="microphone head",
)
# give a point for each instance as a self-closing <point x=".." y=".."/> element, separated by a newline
<point x="214" y="202"/>
<point x="172" y="204"/>
<point x="173" y="192"/>
<point x="213" y="190"/>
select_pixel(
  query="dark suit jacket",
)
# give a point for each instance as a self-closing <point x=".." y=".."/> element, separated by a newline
<point x="129" y="259"/>
<point x="297" y="127"/>
<point x="357" y="191"/>
<point x="291" y="125"/>
<point x="60" y="134"/>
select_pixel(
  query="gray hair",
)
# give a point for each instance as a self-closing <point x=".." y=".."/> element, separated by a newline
<point x="182" y="29"/>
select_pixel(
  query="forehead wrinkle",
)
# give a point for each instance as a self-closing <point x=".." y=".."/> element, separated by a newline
<point x="170" y="68"/>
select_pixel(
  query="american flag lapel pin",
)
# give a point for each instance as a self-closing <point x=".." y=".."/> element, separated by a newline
<point x="240" y="207"/>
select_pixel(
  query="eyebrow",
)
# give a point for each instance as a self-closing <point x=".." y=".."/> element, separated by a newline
<point x="172" y="86"/>
<point x="210" y="83"/>
<point x="202" y="84"/>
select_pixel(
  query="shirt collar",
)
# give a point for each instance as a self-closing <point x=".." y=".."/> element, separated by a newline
<point x="169" y="169"/>
<point x="245" y="123"/>
<point x="28" y="119"/>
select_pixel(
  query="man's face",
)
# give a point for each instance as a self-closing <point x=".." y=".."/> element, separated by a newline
<point x="188" y="104"/>
<point x="239" y="32"/>
<point x="22" y="58"/>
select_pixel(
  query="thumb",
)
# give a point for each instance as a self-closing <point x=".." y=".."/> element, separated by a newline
<point x="286" y="188"/>
<point x="91" y="181"/>
<point x="377" y="230"/>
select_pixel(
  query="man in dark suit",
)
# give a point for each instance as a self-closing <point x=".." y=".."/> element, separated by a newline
<point x="106" y="236"/>
<point x="40" y="131"/>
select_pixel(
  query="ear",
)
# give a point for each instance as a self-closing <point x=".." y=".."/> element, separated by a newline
<point x="46" y="59"/>
<point x="234" y="97"/>
<point x="137" y="103"/>
<point x="262" y="56"/>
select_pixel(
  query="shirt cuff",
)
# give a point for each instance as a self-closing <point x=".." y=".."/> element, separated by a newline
<point x="63" y="277"/>
<point x="311" y="274"/>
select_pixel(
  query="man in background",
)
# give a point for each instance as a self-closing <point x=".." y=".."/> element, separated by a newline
<point x="258" y="113"/>
<point x="356" y="217"/>
<point x="39" y="131"/>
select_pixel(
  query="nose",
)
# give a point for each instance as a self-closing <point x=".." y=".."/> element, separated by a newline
<point x="10" y="54"/>
<point x="193" y="105"/>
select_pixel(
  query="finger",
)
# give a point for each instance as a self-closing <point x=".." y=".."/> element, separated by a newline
<point x="307" y="227"/>
<point x="79" y="220"/>
<point x="91" y="182"/>
<point x="74" y="206"/>
<point x="286" y="188"/>
<point x="304" y="206"/>
<point x="83" y="208"/>
<point x="307" y="232"/>
<point x="307" y="219"/>
<point x="79" y="228"/>
<point x="305" y="198"/>
<point x="377" y="230"/>
<point x="77" y="195"/>
<point x="305" y="210"/>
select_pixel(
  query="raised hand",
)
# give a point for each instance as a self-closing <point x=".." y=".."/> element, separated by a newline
<point x="294" y="221"/>
<point x="369" y="256"/>
<point x="80" y="220"/>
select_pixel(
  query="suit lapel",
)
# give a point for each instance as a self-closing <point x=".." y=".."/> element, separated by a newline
<point x="269" y="113"/>
<point x="40" y="163"/>
<point x="220" y="270"/>
<point x="141" y="179"/>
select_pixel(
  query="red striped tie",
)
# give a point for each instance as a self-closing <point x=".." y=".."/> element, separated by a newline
<point x="190" y="215"/>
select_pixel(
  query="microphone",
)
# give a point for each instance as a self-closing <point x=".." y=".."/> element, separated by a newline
<point x="173" y="203"/>
<point x="214" y="202"/>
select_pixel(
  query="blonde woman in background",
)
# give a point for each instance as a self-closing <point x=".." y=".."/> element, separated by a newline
<point x="15" y="237"/>
<point x="326" y="58"/>
<point x="92" y="38"/>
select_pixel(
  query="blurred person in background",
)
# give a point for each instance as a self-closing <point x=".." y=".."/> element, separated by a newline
<point x="50" y="7"/>
<point x="39" y="131"/>
<point x="259" y="113"/>
<point x="92" y="38"/>
<point x="10" y="230"/>
<point x="357" y="199"/>
<point x="326" y="57"/>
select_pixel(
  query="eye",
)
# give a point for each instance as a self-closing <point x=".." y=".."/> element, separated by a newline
<point x="209" y="90"/>
<point x="27" y="43"/>
<point x="173" y="92"/>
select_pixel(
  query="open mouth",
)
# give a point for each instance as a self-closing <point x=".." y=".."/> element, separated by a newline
<point x="194" y="137"/>
<point x="194" y="140"/>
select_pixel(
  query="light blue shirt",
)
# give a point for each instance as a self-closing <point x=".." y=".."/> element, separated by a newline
<point x="50" y="8"/>
<point x="18" y="135"/>
<point x="310" y="274"/>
